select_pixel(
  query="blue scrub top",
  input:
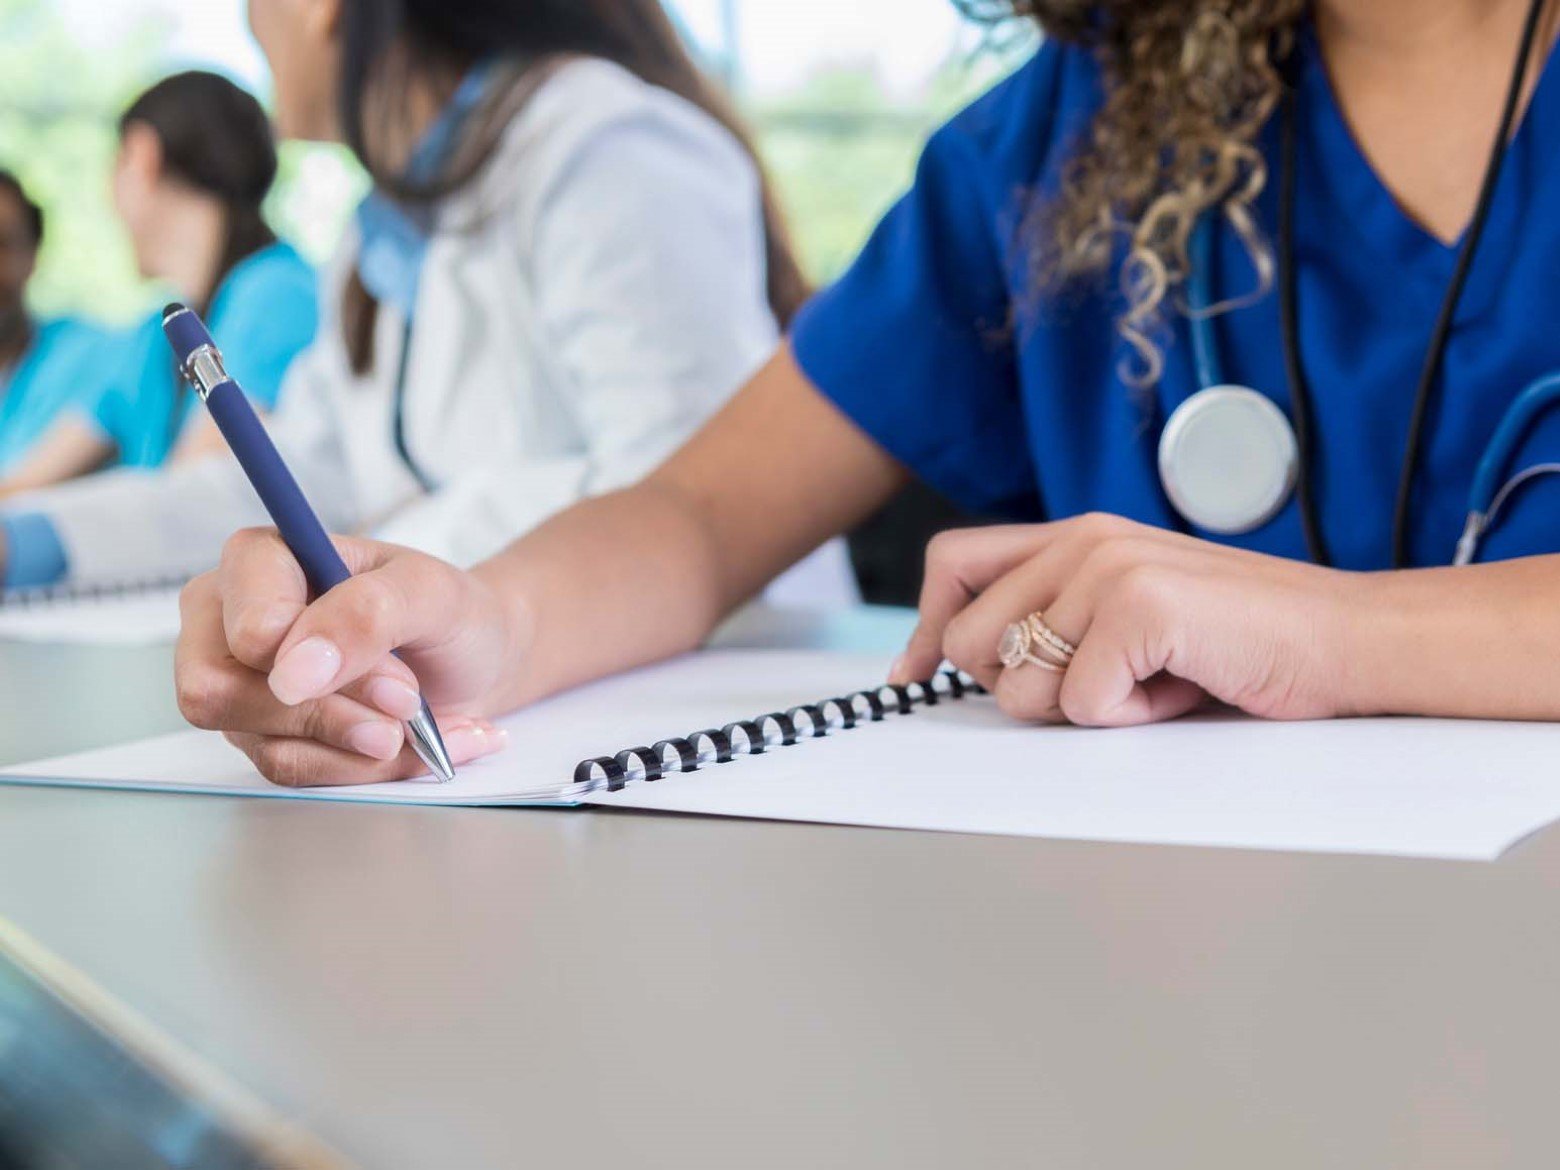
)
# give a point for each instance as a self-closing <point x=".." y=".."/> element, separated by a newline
<point x="1013" y="404"/>
<point x="58" y="372"/>
<point x="264" y="314"/>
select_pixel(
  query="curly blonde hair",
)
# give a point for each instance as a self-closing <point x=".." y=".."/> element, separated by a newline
<point x="1188" y="85"/>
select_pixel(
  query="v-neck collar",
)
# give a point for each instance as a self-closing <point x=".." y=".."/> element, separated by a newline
<point x="1421" y="262"/>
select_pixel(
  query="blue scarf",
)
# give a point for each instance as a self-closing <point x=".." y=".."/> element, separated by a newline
<point x="393" y="236"/>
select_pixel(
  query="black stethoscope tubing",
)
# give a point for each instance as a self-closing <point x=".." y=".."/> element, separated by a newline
<point x="398" y="414"/>
<point x="1440" y="336"/>
<point x="1294" y="358"/>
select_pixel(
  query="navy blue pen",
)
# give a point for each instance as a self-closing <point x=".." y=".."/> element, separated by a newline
<point x="201" y="364"/>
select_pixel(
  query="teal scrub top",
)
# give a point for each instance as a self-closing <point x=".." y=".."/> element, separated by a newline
<point x="264" y="314"/>
<point x="58" y="372"/>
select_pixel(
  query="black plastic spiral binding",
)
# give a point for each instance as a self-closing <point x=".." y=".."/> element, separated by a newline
<point x="754" y="737"/>
<point x="32" y="598"/>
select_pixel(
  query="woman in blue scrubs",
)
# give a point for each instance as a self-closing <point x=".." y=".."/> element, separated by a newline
<point x="45" y="366"/>
<point x="196" y="160"/>
<point x="1360" y="197"/>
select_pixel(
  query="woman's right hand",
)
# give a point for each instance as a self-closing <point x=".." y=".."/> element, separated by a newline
<point x="311" y="693"/>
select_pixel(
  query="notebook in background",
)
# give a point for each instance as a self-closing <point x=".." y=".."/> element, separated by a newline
<point x="141" y="613"/>
<point x="1427" y="788"/>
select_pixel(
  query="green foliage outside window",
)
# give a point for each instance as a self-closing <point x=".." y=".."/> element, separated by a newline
<point x="840" y="150"/>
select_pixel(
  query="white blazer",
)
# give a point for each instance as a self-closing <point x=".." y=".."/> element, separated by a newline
<point x="585" y="305"/>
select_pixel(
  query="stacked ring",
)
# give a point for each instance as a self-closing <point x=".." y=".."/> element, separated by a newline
<point x="1025" y="642"/>
<point x="1064" y="649"/>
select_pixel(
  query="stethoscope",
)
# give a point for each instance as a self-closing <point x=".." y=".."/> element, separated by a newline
<point x="405" y="238"/>
<point x="1230" y="460"/>
<point x="398" y="437"/>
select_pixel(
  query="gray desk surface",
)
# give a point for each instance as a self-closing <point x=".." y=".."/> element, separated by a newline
<point x="452" y="989"/>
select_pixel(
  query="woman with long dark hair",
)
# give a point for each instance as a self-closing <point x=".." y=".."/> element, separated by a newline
<point x="1246" y="306"/>
<point x="568" y="260"/>
<point x="196" y="161"/>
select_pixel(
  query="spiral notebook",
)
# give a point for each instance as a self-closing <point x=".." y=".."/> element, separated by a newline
<point x="113" y="613"/>
<point x="940" y="756"/>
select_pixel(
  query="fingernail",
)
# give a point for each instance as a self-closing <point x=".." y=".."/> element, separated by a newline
<point x="393" y="697"/>
<point x="472" y="742"/>
<point x="305" y="671"/>
<point x="897" y="669"/>
<point x="377" y="741"/>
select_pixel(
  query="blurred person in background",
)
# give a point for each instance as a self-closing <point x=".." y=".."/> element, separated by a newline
<point x="569" y="260"/>
<point x="196" y="161"/>
<point x="45" y="365"/>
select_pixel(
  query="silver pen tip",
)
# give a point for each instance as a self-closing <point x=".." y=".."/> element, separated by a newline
<point x="429" y="746"/>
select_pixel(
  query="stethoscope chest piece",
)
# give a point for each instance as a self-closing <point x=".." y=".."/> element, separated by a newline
<point x="1228" y="460"/>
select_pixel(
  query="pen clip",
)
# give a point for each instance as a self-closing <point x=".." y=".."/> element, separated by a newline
<point x="205" y="371"/>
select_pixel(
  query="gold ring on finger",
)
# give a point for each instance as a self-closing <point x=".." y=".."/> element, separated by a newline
<point x="1033" y="643"/>
<point x="1044" y="633"/>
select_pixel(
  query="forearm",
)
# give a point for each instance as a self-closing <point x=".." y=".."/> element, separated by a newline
<point x="613" y="583"/>
<point x="645" y="573"/>
<point x="1478" y="643"/>
<point x="134" y="524"/>
<point x="72" y="449"/>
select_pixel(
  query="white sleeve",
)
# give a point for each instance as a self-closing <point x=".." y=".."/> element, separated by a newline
<point x="646" y="264"/>
<point x="132" y="524"/>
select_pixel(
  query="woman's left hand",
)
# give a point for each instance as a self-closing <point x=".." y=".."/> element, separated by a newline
<point x="1161" y="621"/>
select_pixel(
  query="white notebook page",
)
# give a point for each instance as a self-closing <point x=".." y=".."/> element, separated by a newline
<point x="136" y="617"/>
<point x="1429" y="788"/>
